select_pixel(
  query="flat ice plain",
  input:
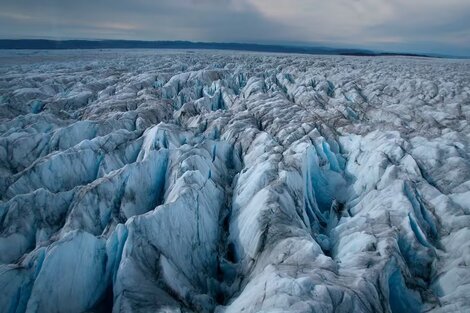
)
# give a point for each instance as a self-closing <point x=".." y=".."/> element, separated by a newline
<point x="205" y="181"/>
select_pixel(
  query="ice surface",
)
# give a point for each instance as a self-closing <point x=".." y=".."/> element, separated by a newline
<point x="144" y="181"/>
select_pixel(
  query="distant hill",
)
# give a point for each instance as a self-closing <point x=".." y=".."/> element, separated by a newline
<point x="135" y="44"/>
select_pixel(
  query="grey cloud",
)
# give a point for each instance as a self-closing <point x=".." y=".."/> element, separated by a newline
<point x="142" y="19"/>
<point x="437" y="25"/>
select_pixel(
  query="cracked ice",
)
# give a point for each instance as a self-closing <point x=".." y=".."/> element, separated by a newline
<point x="146" y="181"/>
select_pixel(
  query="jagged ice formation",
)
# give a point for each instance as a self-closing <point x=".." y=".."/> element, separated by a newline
<point x="146" y="181"/>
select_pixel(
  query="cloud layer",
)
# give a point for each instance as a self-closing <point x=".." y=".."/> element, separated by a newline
<point x="441" y="26"/>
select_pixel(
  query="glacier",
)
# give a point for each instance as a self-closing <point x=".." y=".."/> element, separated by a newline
<point x="218" y="181"/>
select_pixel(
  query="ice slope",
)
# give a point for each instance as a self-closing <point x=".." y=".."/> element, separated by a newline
<point x="144" y="181"/>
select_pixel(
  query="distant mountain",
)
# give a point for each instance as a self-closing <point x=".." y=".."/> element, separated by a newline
<point x="136" y="44"/>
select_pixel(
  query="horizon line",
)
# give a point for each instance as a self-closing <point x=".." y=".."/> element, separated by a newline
<point x="301" y="48"/>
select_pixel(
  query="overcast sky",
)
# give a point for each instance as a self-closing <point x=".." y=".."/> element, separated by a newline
<point x="439" y="26"/>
